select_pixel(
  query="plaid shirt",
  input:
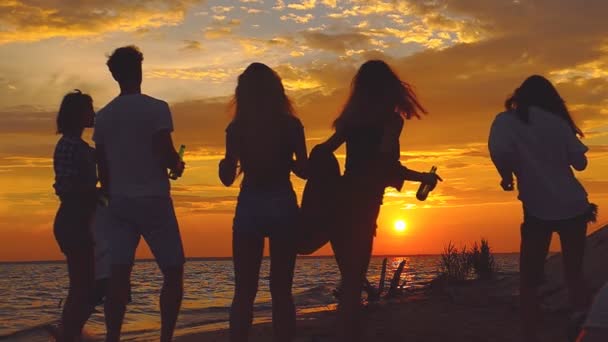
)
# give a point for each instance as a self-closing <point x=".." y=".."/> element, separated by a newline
<point x="75" y="168"/>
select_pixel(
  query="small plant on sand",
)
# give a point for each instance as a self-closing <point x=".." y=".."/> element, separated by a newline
<point x="482" y="260"/>
<point x="455" y="265"/>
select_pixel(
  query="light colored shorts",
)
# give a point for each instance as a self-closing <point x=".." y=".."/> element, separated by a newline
<point x="151" y="217"/>
<point x="101" y="225"/>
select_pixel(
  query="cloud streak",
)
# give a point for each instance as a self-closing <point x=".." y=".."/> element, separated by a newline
<point x="29" y="20"/>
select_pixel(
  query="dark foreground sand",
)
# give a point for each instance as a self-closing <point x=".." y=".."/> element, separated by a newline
<point x="481" y="312"/>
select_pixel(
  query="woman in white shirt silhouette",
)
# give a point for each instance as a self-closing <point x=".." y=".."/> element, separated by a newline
<point x="536" y="140"/>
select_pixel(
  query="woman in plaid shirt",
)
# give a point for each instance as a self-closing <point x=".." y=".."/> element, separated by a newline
<point x="75" y="185"/>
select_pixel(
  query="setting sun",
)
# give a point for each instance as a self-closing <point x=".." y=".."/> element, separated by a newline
<point x="400" y="226"/>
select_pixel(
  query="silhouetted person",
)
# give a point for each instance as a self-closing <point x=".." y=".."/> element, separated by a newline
<point x="75" y="184"/>
<point x="535" y="139"/>
<point x="262" y="139"/>
<point x="135" y="149"/>
<point x="370" y="125"/>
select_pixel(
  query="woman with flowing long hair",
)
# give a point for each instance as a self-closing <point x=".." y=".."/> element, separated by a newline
<point x="261" y="142"/>
<point x="536" y="140"/>
<point x="370" y="124"/>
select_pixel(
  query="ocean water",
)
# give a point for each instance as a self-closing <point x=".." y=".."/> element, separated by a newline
<point x="30" y="293"/>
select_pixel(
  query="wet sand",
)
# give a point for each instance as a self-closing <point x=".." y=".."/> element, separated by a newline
<point x="469" y="314"/>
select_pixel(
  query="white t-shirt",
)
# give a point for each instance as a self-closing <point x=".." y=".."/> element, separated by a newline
<point x="125" y="127"/>
<point x="541" y="154"/>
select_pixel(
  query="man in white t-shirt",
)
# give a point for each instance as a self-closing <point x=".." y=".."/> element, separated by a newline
<point x="135" y="149"/>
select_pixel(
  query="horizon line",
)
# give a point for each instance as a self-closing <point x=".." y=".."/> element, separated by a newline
<point x="219" y="258"/>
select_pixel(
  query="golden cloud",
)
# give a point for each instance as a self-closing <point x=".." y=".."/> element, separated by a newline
<point x="369" y="7"/>
<point x="338" y="42"/>
<point x="222" y="9"/>
<point x="279" y="6"/>
<point x="431" y="26"/>
<point x="221" y="28"/>
<point x="214" y="75"/>
<point x="192" y="45"/>
<point x="582" y="72"/>
<point x="300" y="19"/>
<point x="251" y="10"/>
<point x="29" y="20"/>
<point x="330" y="3"/>
<point x="254" y="47"/>
<point x="303" y="5"/>
<point x="296" y="79"/>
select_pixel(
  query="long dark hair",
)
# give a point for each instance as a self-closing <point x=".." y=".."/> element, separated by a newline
<point x="260" y="96"/>
<point x="539" y="92"/>
<point x="70" y="115"/>
<point x="261" y="113"/>
<point x="377" y="90"/>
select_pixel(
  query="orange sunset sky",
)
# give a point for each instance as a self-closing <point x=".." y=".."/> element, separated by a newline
<point x="463" y="57"/>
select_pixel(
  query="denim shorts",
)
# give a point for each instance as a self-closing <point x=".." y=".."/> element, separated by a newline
<point x="266" y="212"/>
<point x="359" y="207"/>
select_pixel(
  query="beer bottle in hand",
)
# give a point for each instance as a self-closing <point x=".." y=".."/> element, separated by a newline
<point x="182" y="149"/>
<point x="424" y="189"/>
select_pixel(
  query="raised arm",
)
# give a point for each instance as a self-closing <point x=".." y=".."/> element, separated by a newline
<point x="335" y="141"/>
<point x="392" y="152"/>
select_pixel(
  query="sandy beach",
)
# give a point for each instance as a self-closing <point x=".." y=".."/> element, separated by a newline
<point x="472" y="311"/>
<point x="477" y="311"/>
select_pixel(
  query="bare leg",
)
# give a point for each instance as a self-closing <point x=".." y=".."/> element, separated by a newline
<point x="116" y="300"/>
<point x="573" y="252"/>
<point x="77" y="308"/>
<point x="534" y="249"/>
<point x="282" y="264"/>
<point x="247" y="251"/>
<point x="353" y="253"/>
<point x="171" y="300"/>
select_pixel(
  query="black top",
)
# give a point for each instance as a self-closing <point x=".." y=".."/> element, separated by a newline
<point x="266" y="153"/>
<point x="372" y="152"/>
<point x="364" y="144"/>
